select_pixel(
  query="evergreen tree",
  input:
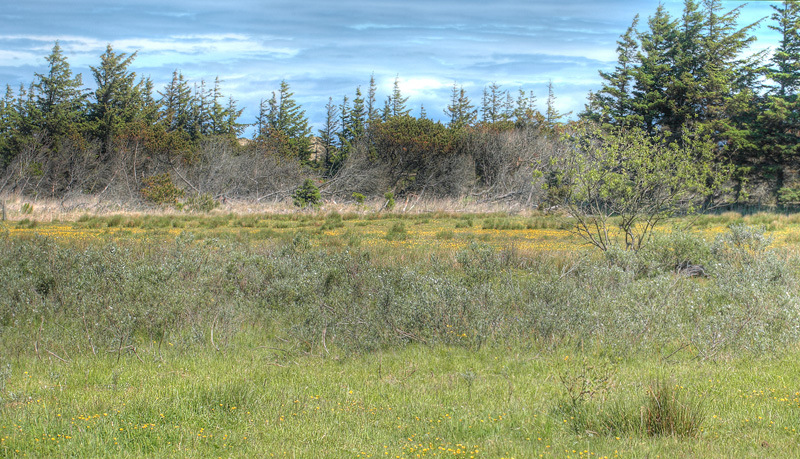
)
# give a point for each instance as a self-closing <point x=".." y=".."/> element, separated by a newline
<point x="231" y="126"/>
<point x="552" y="115"/>
<point x="492" y="104"/>
<point x="176" y="105"/>
<point x="59" y="97"/>
<point x="397" y="102"/>
<point x="656" y="58"/>
<point x="615" y="96"/>
<point x="785" y="63"/>
<point x="290" y="122"/>
<point x="372" y="109"/>
<point x="328" y="136"/>
<point x="728" y="81"/>
<point x="460" y="111"/>
<point x="358" y="117"/>
<point x="118" y="97"/>
<point x="9" y="127"/>
<point x="525" y="112"/>
<point x="262" y="120"/>
<point x="778" y="123"/>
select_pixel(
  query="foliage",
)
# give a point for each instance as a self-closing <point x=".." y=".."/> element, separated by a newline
<point x="159" y="189"/>
<point x="389" y="197"/>
<point x="307" y="195"/>
<point x="201" y="202"/>
<point x="358" y="198"/>
<point x="622" y="183"/>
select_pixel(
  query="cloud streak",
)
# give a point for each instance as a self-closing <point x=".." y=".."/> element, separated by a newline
<point x="325" y="48"/>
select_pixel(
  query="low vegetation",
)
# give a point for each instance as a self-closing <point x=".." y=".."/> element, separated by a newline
<point x="385" y="335"/>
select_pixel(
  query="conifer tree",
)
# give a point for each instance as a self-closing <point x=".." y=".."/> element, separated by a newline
<point x="525" y="112"/>
<point x="460" y="111"/>
<point x="290" y="121"/>
<point x="117" y="99"/>
<point x="615" y="96"/>
<point x="552" y="115"/>
<point x="397" y="101"/>
<point x="59" y="97"/>
<point x="176" y="104"/>
<point x="328" y="138"/>
<point x="656" y="58"/>
<point x="372" y="109"/>
<point x="778" y="123"/>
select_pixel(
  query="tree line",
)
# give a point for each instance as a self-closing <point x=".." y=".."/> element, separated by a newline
<point x="694" y="74"/>
<point x="676" y="78"/>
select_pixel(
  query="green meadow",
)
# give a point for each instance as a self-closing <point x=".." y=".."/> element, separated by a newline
<point x="395" y="335"/>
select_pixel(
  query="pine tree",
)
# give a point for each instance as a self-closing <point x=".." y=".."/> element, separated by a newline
<point x="552" y="115"/>
<point x="372" y="109"/>
<point x="460" y="111"/>
<point x="525" y="113"/>
<point x="492" y="104"/>
<point x="59" y="97"/>
<point x="785" y="62"/>
<point x="176" y="105"/>
<point x="398" y="102"/>
<point x="9" y="127"/>
<point x="656" y="58"/>
<point x="290" y="122"/>
<point x="358" y="117"/>
<point x="615" y="97"/>
<point x="231" y="126"/>
<point x="328" y="138"/>
<point x="778" y="122"/>
<point x="117" y="97"/>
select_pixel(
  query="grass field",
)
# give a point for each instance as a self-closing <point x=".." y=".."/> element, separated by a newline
<point x="394" y="335"/>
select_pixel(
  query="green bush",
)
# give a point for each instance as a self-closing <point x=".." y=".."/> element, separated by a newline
<point x="789" y="195"/>
<point x="307" y="195"/>
<point x="159" y="189"/>
<point x="389" y="196"/>
<point x="359" y="198"/>
<point x="201" y="203"/>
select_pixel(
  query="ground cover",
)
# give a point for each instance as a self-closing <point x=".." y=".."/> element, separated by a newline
<point x="364" y="335"/>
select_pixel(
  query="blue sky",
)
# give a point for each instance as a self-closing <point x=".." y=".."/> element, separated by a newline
<point x="325" y="48"/>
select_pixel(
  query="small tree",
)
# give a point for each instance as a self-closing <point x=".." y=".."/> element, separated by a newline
<point x="621" y="183"/>
<point x="306" y="195"/>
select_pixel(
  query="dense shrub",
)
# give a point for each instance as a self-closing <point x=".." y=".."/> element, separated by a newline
<point x="347" y="299"/>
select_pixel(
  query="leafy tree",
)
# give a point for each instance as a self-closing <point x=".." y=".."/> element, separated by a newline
<point x="621" y="183"/>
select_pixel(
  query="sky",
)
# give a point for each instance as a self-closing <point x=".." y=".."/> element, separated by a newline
<point x="326" y="48"/>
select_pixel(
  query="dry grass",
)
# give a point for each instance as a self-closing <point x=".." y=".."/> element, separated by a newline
<point x="72" y="208"/>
